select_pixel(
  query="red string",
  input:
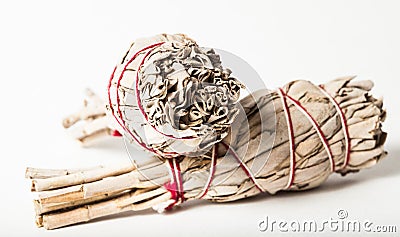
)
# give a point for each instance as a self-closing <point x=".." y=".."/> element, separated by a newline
<point x="345" y="127"/>
<point x="118" y="99"/>
<point x="243" y="166"/>
<point x="179" y="178"/>
<point x="175" y="186"/>
<point x="212" y="171"/>
<point x="291" y="139"/>
<point x="112" y="109"/>
<point x="316" y="126"/>
<point x="122" y="123"/>
<point x="115" y="133"/>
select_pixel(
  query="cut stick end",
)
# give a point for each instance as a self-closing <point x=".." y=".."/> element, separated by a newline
<point x="39" y="221"/>
<point x="69" y="121"/>
<point x="37" y="206"/>
<point x="28" y="173"/>
<point x="89" y="139"/>
<point x="33" y="186"/>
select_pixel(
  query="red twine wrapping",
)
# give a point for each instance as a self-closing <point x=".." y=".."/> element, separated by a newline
<point x="291" y="138"/>
<point x="244" y="167"/>
<point x="345" y="127"/>
<point x="122" y="123"/>
<point x="318" y="129"/>
<point x="175" y="187"/>
<point x="212" y="171"/>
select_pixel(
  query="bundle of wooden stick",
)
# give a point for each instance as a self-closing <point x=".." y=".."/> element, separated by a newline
<point x="292" y="138"/>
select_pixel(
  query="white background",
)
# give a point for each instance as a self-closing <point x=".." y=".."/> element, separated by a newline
<point x="50" y="51"/>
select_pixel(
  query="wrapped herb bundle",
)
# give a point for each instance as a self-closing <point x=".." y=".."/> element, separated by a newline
<point x="289" y="139"/>
<point x="172" y="97"/>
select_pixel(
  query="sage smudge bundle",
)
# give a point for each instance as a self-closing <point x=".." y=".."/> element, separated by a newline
<point x="291" y="139"/>
<point x="171" y="96"/>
